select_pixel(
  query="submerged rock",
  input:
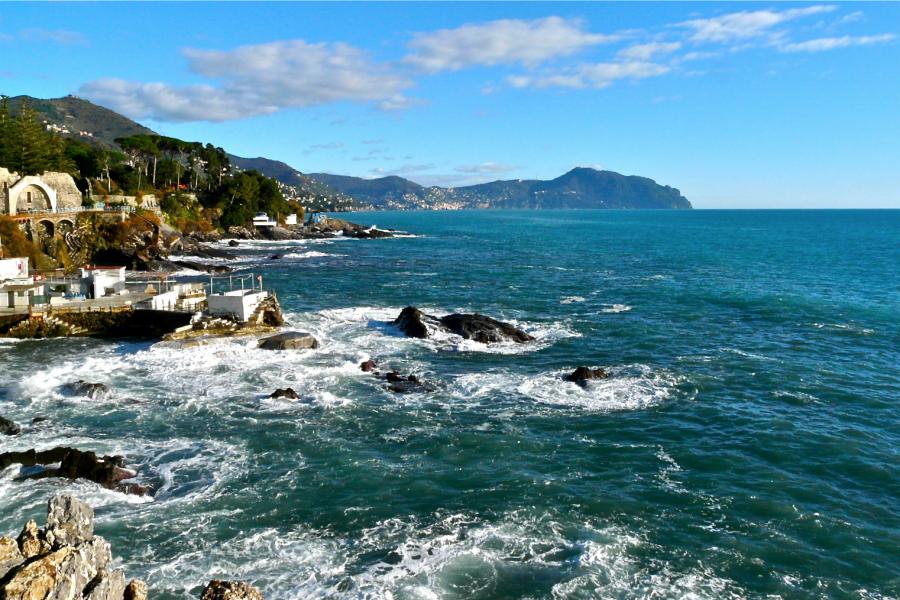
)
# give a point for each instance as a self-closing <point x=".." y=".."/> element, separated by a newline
<point x="480" y="328"/>
<point x="290" y="340"/>
<point x="8" y="427"/>
<point x="94" y="391"/>
<point x="583" y="374"/>
<point x="108" y="471"/>
<point x="368" y="366"/>
<point x="288" y="393"/>
<point x="276" y="257"/>
<point x="406" y="384"/>
<point x="234" y="243"/>
<point x="230" y="590"/>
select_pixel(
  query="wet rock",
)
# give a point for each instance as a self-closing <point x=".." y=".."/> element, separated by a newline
<point x="230" y="590"/>
<point x="583" y="374"/>
<point x="10" y="556"/>
<point x="234" y="243"/>
<point x="69" y="522"/>
<point x="108" y="471"/>
<point x="406" y="384"/>
<point x="8" y="427"/>
<point x="368" y="366"/>
<point x="291" y="340"/>
<point x="288" y="393"/>
<point x="94" y="391"/>
<point x="135" y="590"/>
<point x="36" y="420"/>
<point x="414" y="323"/>
<point x="198" y="266"/>
<point x="276" y="257"/>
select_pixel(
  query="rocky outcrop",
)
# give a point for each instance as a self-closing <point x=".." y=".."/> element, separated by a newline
<point x="583" y="374"/>
<point x="62" y="561"/>
<point x="94" y="391"/>
<point x="8" y="427"/>
<point x="230" y="590"/>
<point x="414" y="323"/>
<point x="108" y="471"/>
<point x="406" y="384"/>
<point x="290" y="340"/>
<point x="368" y="366"/>
<point x="288" y="393"/>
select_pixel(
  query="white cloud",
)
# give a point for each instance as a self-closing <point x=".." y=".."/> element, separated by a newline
<point x="649" y="50"/>
<point x="744" y="25"/>
<point x="832" y="43"/>
<point x="596" y="75"/>
<point x="486" y="167"/>
<point x="506" y="41"/>
<point x="63" y="37"/>
<point x="258" y="79"/>
<point x="401" y="171"/>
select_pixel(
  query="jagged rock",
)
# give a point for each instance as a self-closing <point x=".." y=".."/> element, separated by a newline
<point x="107" y="585"/>
<point x="94" y="391"/>
<point x="30" y="541"/>
<point x="108" y="471"/>
<point x="583" y="374"/>
<point x="368" y="366"/>
<point x="61" y="575"/>
<point x="290" y="340"/>
<point x="242" y="233"/>
<point x="288" y="393"/>
<point x="8" y="427"/>
<point x="414" y="323"/>
<point x="406" y="384"/>
<point x="135" y="590"/>
<point x="230" y="590"/>
<point x="69" y="522"/>
<point x="10" y="556"/>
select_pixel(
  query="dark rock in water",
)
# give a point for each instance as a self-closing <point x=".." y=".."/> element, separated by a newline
<point x="583" y="374"/>
<point x="276" y="257"/>
<point x="196" y="266"/>
<point x="94" y="391"/>
<point x="288" y="393"/>
<point x="230" y="590"/>
<point x="484" y="329"/>
<point x="414" y="323"/>
<point x="291" y="340"/>
<point x="36" y="420"/>
<point x="411" y="321"/>
<point x="108" y="471"/>
<point x="234" y="243"/>
<point x="368" y="366"/>
<point x="8" y="427"/>
<point x="394" y="377"/>
<point x="211" y="252"/>
<point x="405" y="384"/>
<point x="367" y="234"/>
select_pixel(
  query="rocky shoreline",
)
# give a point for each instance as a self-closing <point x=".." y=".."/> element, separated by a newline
<point x="64" y="560"/>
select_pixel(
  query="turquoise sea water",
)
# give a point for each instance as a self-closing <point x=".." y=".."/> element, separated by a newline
<point x="746" y="445"/>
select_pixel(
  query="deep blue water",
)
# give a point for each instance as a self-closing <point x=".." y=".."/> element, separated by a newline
<point x="746" y="444"/>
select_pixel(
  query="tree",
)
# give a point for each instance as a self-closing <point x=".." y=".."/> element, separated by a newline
<point x="32" y="142"/>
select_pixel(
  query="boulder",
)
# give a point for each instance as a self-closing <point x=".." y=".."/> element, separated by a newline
<point x="94" y="391"/>
<point x="583" y="374"/>
<point x="230" y="590"/>
<point x="234" y="243"/>
<point x="276" y="257"/>
<point x="368" y="366"/>
<point x="414" y="323"/>
<point x="406" y="384"/>
<point x="290" y="340"/>
<point x="107" y="585"/>
<point x="31" y="541"/>
<point x="10" y="556"/>
<point x="8" y="427"/>
<point x="69" y="522"/>
<point x="288" y="393"/>
<point x="60" y="575"/>
<point x="135" y="590"/>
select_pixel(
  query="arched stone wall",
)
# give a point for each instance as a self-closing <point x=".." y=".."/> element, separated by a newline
<point x="30" y="183"/>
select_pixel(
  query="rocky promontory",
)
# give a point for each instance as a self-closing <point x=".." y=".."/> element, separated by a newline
<point x="64" y="560"/>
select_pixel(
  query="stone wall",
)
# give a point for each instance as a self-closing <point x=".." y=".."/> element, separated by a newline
<point x="147" y="201"/>
<point x="67" y="193"/>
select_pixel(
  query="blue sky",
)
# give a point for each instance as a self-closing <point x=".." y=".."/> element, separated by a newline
<point x="736" y="104"/>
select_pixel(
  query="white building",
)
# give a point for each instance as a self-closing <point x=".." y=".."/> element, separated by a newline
<point x="18" y="290"/>
<point x="290" y="219"/>
<point x="97" y="282"/>
<point x="262" y="220"/>
<point x="239" y="304"/>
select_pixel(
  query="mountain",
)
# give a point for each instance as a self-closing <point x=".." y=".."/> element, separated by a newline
<point x="81" y="119"/>
<point x="579" y="188"/>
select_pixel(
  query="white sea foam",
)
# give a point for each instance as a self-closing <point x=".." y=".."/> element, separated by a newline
<point x="615" y="308"/>
<point x="571" y="299"/>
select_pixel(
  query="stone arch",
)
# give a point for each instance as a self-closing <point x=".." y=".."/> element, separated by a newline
<point x="18" y="193"/>
<point x="64" y="226"/>
<point x="46" y="228"/>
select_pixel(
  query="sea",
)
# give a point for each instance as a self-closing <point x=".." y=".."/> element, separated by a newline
<point x="745" y="445"/>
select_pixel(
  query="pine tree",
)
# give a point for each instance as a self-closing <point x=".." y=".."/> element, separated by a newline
<point x="33" y="143"/>
<point x="8" y="135"/>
